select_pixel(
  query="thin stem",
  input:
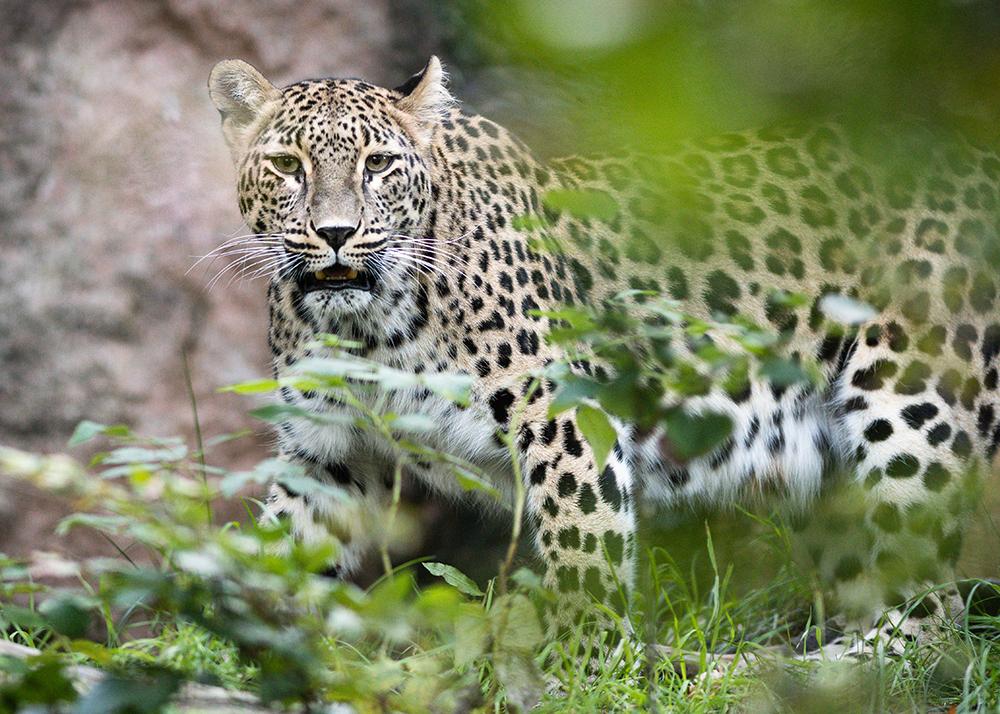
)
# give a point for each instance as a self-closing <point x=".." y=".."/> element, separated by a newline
<point x="510" y="440"/>
<point x="197" y="433"/>
<point x="397" y="489"/>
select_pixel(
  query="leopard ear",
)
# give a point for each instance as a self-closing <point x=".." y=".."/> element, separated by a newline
<point x="241" y="94"/>
<point x="425" y="96"/>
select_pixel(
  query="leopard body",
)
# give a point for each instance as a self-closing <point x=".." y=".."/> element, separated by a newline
<point x="723" y="226"/>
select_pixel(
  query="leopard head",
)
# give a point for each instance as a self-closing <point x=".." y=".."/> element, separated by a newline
<point x="335" y="179"/>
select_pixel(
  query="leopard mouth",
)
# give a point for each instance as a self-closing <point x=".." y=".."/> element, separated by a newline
<point x="336" y="277"/>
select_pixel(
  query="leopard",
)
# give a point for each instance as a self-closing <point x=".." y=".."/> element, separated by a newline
<point x="396" y="221"/>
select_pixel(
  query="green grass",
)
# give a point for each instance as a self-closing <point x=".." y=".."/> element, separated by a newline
<point x="212" y="608"/>
<point x="242" y="606"/>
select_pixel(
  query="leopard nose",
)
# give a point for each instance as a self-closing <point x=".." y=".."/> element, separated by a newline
<point x="336" y="236"/>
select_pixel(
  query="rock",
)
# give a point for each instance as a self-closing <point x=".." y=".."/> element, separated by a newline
<point x="113" y="176"/>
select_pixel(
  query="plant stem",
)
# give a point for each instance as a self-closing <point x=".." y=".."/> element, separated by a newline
<point x="397" y="483"/>
<point x="510" y="440"/>
<point x="197" y="432"/>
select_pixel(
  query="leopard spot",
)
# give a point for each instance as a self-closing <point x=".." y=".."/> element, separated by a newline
<point x="886" y="517"/>
<point x="878" y="430"/>
<point x="587" y="500"/>
<point x="785" y="161"/>
<point x="902" y="466"/>
<point x="873" y="377"/>
<point x="721" y="292"/>
<point x="608" y="486"/>
<point x="916" y="415"/>
<point x="914" y="378"/>
<point x="569" y="538"/>
<point x="740" y="171"/>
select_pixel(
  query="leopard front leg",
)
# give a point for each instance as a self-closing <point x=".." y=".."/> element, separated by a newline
<point x="349" y="509"/>
<point x="583" y="519"/>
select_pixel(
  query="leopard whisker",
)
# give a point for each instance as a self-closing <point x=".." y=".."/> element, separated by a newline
<point x="239" y="267"/>
<point x="444" y="257"/>
<point x="429" y="265"/>
<point x="252" y="268"/>
<point x="251" y="241"/>
<point x="261" y="270"/>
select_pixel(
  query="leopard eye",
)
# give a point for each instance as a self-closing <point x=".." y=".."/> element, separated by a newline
<point x="377" y="163"/>
<point x="286" y="163"/>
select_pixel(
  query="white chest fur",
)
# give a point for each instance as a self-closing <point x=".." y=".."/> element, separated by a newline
<point x="464" y="434"/>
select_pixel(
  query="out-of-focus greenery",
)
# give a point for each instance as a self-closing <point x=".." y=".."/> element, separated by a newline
<point x="243" y="606"/>
<point x="649" y="73"/>
<point x="223" y="603"/>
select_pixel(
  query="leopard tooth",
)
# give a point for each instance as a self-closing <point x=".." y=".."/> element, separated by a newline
<point x="320" y="275"/>
<point x="352" y="274"/>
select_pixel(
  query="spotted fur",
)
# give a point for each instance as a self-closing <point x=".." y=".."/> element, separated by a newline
<point x="911" y="405"/>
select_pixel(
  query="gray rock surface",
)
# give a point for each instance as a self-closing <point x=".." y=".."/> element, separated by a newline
<point x="113" y="175"/>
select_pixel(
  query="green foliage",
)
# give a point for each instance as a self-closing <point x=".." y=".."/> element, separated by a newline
<point x="454" y="577"/>
<point x="598" y="431"/>
<point x="649" y="73"/>
<point x="40" y="681"/>
<point x="652" y="359"/>
<point x="244" y="606"/>
<point x="582" y="204"/>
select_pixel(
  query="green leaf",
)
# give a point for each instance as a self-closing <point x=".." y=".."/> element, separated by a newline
<point x="521" y="678"/>
<point x="138" y="455"/>
<point x="68" y="615"/>
<point x="846" y="310"/>
<point x="689" y="382"/>
<point x="105" y="524"/>
<point x="789" y="299"/>
<point x="87" y="430"/>
<point x="578" y="319"/>
<point x="42" y="680"/>
<point x="99" y="654"/>
<point x="254" y="386"/>
<point x="598" y="431"/>
<point x="287" y="473"/>
<point x="418" y="423"/>
<point x="224" y="438"/>
<point x="694" y="435"/>
<point x="454" y="577"/>
<point x="472" y="636"/>
<point x="572" y="390"/>
<point x="277" y="413"/>
<point x="470" y="481"/>
<point x="301" y="483"/>
<point x="528" y="222"/>
<point x="530" y="580"/>
<point x="335" y="341"/>
<point x="516" y="634"/>
<point x="116" y="693"/>
<point x="627" y="399"/>
<point x="582" y="203"/>
<point x="783" y="372"/>
<point x="21" y="616"/>
<point x="544" y="242"/>
<point x="515" y="624"/>
<point x="263" y="473"/>
<point x="453" y="387"/>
